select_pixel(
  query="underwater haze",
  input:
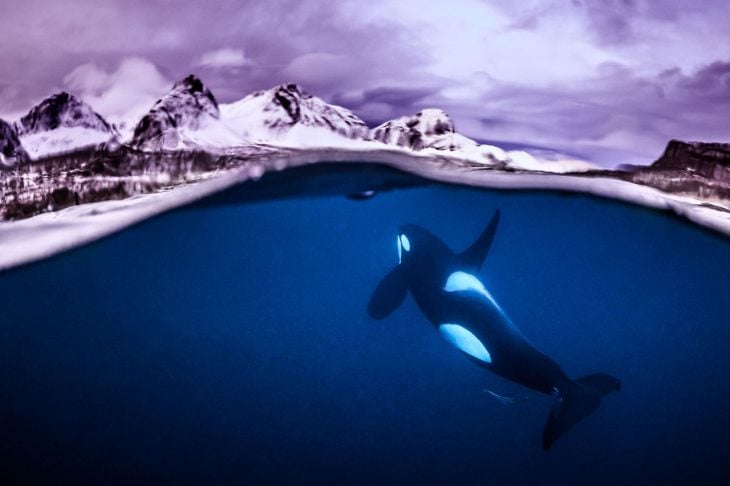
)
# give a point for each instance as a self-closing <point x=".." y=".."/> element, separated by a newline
<point x="228" y="341"/>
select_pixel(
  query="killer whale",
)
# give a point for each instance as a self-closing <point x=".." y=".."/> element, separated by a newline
<point x="446" y="288"/>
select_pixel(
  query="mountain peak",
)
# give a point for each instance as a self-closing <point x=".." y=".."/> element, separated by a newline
<point x="188" y="105"/>
<point x="61" y="110"/>
<point x="429" y="128"/>
<point x="278" y="112"/>
<point x="193" y="85"/>
<point x="291" y="87"/>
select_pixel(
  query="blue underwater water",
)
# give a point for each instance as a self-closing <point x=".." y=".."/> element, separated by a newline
<point x="228" y="341"/>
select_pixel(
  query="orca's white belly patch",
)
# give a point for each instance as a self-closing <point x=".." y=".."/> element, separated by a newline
<point x="466" y="341"/>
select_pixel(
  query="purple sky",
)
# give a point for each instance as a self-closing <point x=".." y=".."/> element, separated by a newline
<point x="609" y="79"/>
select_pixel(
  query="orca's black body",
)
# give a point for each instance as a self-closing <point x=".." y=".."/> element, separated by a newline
<point x="446" y="289"/>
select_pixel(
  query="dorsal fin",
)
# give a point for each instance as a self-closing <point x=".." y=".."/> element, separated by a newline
<point x="474" y="256"/>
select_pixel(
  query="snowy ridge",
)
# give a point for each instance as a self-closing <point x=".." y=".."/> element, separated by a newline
<point x="186" y="117"/>
<point x="189" y="118"/>
<point x="288" y="115"/>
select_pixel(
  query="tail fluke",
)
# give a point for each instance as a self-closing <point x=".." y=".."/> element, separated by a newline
<point x="601" y="383"/>
<point x="575" y="402"/>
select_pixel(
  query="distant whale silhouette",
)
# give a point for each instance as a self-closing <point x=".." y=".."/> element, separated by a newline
<point x="446" y="289"/>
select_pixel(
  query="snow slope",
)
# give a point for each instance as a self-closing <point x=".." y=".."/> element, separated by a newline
<point x="62" y="140"/>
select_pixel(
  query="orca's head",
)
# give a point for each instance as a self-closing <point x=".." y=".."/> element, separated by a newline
<point x="415" y="243"/>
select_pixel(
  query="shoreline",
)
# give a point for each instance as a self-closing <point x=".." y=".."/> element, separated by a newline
<point x="47" y="234"/>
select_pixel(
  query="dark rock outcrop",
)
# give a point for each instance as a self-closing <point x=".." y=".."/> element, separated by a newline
<point x="695" y="169"/>
<point x="710" y="160"/>
<point x="432" y="128"/>
<point x="11" y="150"/>
<point x="427" y="128"/>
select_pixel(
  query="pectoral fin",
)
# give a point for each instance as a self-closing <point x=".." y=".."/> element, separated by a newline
<point x="506" y="398"/>
<point x="389" y="294"/>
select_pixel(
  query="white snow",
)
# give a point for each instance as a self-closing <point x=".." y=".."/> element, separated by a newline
<point x="520" y="159"/>
<point x="50" y="233"/>
<point x="61" y="140"/>
<point x="243" y="124"/>
<point x="247" y="117"/>
<point x="211" y="133"/>
<point x="257" y="119"/>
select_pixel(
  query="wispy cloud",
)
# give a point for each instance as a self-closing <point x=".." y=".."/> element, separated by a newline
<point x="226" y="57"/>
<point x="123" y="94"/>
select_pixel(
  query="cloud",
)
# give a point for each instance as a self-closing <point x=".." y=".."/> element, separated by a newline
<point x="385" y="102"/>
<point x="614" y="116"/>
<point x="610" y="21"/>
<point x="710" y="82"/>
<point x="124" y="94"/>
<point x="599" y="74"/>
<point x="315" y="68"/>
<point x="8" y="111"/>
<point x="226" y="57"/>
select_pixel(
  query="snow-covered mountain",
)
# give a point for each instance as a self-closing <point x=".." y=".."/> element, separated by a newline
<point x="186" y="117"/>
<point x="11" y="150"/>
<point x="288" y="115"/>
<point x="433" y="128"/>
<point x="62" y="123"/>
<point x="189" y="117"/>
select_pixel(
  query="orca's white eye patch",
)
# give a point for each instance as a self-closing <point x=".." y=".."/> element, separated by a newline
<point x="405" y="242"/>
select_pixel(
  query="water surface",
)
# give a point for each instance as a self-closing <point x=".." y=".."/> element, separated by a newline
<point x="229" y="340"/>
